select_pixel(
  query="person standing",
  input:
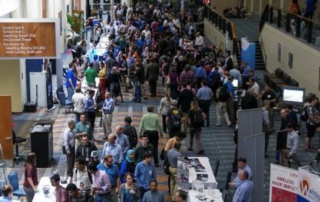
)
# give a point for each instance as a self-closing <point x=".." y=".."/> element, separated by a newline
<point x="78" y="100"/>
<point x="204" y="96"/>
<point x="83" y="128"/>
<point x="102" y="79"/>
<point x="85" y="148"/>
<point x="115" y="87"/>
<point x="172" y="156"/>
<point x="311" y="122"/>
<point x="180" y="196"/>
<point x="101" y="187"/>
<point x="245" y="189"/>
<point x="269" y="94"/>
<point x="128" y="165"/>
<point x="143" y="148"/>
<point x="60" y="192"/>
<point x="165" y="104"/>
<point x="292" y="145"/>
<point x="108" y="107"/>
<point x="196" y="120"/>
<point x="230" y="102"/>
<point x="228" y="64"/>
<point x="69" y="142"/>
<point x="242" y="166"/>
<point x="153" y="194"/>
<point x="265" y="125"/>
<point x="151" y="127"/>
<point x="30" y="183"/>
<point x="144" y="173"/>
<point x="71" y="82"/>
<point x="112" y="148"/>
<point x="184" y="103"/>
<point x="90" y="109"/>
<point x="173" y="119"/>
<point x="76" y="195"/>
<point x="91" y="75"/>
<point x="122" y="140"/>
<point x="130" y="131"/>
<point x="129" y="191"/>
<point x="7" y="192"/>
<point x="222" y="96"/>
<point x="236" y="74"/>
<point x="81" y="176"/>
<point x="152" y="74"/>
<point x="113" y="173"/>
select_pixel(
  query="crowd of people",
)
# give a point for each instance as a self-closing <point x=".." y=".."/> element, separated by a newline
<point x="151" y="42"/>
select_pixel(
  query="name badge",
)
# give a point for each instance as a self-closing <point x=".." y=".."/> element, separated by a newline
<point x="150" y="172"/>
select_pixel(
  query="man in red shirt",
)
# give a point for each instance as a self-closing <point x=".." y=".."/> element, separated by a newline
<point x="61" y="193"/>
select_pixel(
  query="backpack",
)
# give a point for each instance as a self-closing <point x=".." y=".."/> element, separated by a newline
<point x="224" y="94"/>
<point x="197" y="119"/>
<point x="166" y="166"/>
<point x="89" y="174"/>
<point x="132" y="135"/>
<point x="213" y="81"/>
<point x="304" y="113"/>
<point x="176" y="118"/>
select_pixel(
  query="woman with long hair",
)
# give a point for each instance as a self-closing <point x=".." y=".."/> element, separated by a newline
<point x="196" y="120"/>
<point x="165" y="105"/>
<point x="128" y="165"/>
<point x="30" y="183"/>
<point x="129" y="191"/>
<point x="115" y="85"/>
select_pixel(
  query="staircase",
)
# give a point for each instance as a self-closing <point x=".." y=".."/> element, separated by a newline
<point x="259" y="61"/>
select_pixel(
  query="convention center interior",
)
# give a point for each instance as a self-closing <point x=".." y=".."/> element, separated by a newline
<point x="159" y="101"/>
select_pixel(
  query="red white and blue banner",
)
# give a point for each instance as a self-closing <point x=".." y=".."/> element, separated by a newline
<point x="309" y="186"/>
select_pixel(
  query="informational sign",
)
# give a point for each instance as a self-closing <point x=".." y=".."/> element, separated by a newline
<point x="248" y="52"/>
<point x="283" y="184"/>
<point x="28" y="38"/>
<point x="49" y="86"/>
<point x="309" y="186"/>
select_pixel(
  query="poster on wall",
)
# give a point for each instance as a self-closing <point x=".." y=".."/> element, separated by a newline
<point x="248" y="52"/>
<point x="309" y="186"/>
<point x="49" y="86"/>
<point x="283" y="184"/>
<point x="279" y="51"/>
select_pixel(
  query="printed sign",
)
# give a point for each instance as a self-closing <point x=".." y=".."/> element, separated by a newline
<point x="309" y="186"/>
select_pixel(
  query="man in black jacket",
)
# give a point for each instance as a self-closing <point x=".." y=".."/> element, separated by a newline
<point x="184" y="103"/>
<point x="85" y="148"/>
<point x="137" y="75"/>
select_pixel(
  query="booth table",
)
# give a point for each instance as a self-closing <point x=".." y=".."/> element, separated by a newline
<point x="211" y="182"/>
<point x="193" y="196"/>
<point x="39" y="195"/>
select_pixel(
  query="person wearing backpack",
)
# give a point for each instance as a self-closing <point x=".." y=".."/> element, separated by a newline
<point x="174" y="119"/>
<point x="200" y="74"/>
<point x="196" y="120"/>
<point x="81" y="176"/>
<point x="204" y="96"/>
<point x="130" y="131"/>
<point x="222" y="96"/>
<point x="213" y="80"/>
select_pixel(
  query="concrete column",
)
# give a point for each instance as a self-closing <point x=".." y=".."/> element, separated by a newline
<point x="59" y="66"/>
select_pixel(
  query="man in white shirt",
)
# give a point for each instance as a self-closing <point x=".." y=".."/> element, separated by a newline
<point x="199" y="41"/>
<point x="69" y="146"/>
<point x="78" y="103"/>
<point x="147" y="33"/>
<point x="81" y="176"/>
<point x="254" y="86"/>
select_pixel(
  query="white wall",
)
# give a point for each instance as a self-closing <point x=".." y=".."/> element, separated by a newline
<point x="34" y="8"/>
<point x="306" y="59"/>
<point x="7" y="7"/>
<point x="215" y="36"/>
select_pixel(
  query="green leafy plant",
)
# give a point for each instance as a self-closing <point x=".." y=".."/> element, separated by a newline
<point x="70" y="20"/>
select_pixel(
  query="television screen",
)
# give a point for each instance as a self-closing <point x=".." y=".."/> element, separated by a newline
<point x="235" y="83"/>
<point x="293" y="95"/>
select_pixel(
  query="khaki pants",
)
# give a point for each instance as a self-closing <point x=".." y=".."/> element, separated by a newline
<point x="114" y="195"/>
<point x="107" y="125"/>
<point x="221" y="109"/>
<point x="231" y="110"/>
<point x="184" y="121"/>
<point x="173" y="175"/>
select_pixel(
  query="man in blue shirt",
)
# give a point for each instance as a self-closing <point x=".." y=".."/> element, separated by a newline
<point x="242" y="165"/>
<point x="122" y="140"/>
<point x="71" y="82"/>
<point x="245" y="190"/>
<point x="112" y="148"/>
<point x="113" y="173"/>
<point x="200" y="74"/>
<point x="144" y="173"/>
<point x="90" y="108"/>
<point x="108" y="108"/>
<point x="230" y="102"/>
<point x="153" y="195"/>
<point x="204" y="95"/>
<point x="7" y="191"/>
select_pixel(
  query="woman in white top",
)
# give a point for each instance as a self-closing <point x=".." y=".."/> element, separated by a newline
<point x="165" y="105"/>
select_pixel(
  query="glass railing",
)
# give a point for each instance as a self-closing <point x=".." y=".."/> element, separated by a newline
<point x="301" y="27"/>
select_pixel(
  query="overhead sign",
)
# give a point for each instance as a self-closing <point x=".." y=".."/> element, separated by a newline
<point x="29" y="38"/>
<point x="283" y="184"/>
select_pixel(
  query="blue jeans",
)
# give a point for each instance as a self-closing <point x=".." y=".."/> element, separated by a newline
<point x="70" y="94"/>
<point x="102" y="198"/>
<point x="137" y="92"/>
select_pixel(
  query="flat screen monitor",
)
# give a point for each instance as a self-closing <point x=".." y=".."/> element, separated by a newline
<point x="235" y="83"/>
<point x="293" y="95"/>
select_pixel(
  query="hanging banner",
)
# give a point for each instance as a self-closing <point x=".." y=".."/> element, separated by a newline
<point x="49" y="86"/>
<point x="309" y="186"/>
<point x="248" y="52"/>
<point x="283" y="184"/>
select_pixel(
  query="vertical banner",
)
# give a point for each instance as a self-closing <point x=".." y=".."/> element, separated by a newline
<point x="248" y="52"/>
<point x="309" y="186"/>
<point x="49" y="86"/>
<point x="283" y="184"/>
